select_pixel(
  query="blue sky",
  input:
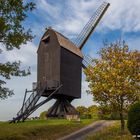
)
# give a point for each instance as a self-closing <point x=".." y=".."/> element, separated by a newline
<point x="122" y="20"/>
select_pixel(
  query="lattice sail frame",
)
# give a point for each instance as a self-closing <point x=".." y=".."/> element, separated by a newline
<point x="91" y="25"/>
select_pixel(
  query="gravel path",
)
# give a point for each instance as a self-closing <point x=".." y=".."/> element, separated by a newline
<point x="84" y="132"/>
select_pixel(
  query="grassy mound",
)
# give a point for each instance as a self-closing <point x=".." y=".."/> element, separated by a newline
<point x="41" y="129"/>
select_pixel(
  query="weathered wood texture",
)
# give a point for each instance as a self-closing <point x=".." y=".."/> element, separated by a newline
<point x="48" y="60"/>
<point x="59" y="61"/>
<point x="70" y="73"/>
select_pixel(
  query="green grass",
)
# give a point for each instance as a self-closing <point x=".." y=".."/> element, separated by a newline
<point x="112" y="132"/>
<point x="40" y="130"/>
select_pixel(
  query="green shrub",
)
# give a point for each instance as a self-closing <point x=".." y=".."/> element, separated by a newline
<point x="43" y="115"/>
<point x="85" y="116"/>
<point x="104" y="116"/>
<point x="134" y="119"/>
<point x="116" y="116"/>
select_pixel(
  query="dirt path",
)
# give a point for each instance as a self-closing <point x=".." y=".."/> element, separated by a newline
<point x="84" y="132"/>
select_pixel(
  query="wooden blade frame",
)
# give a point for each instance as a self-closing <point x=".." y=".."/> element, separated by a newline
<point x="91" y="25"/>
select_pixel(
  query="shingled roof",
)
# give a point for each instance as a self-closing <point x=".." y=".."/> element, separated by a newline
<point x="67" y="44"/>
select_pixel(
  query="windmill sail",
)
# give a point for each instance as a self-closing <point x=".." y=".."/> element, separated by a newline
<point x="87" y="61"/>
<point x="91" y="25"/>
<point x="60" y="61"/>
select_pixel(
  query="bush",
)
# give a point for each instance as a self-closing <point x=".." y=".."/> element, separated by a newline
<point x="134" y="119"/>
<point x="43" y="115"/>
<point x="116" y="116"/>
<point x="103" y="116"/>
<point x="86" y="116"/>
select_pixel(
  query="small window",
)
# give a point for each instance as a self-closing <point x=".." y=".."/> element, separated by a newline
<point x="46" y="39"/>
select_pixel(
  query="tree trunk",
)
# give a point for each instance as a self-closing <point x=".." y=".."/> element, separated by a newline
<point x="122" y="121"/>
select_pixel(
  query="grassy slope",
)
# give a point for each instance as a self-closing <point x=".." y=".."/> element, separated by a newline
<point x="41" y="129"/>
<point x="111" y="133"/>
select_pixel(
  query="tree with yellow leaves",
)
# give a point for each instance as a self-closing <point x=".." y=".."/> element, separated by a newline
<point x="114" y="78"/>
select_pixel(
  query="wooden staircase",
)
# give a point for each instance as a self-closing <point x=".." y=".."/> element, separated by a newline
<point x="31" y="104"/>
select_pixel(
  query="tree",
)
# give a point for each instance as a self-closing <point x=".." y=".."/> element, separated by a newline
<point x="12" y="35"/>
<point x="134" y="119"/>
<point x="93" y="110"/>
<point x="43" y="115"/>
<point x="104" y="112"/>
<point x="82" y="110"/>
<point x="114" y="78"/>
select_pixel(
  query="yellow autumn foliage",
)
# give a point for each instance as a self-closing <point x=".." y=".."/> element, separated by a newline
<point x="115" y="78"/>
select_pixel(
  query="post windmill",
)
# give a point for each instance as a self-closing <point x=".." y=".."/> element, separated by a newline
<point x="60" y="63"/>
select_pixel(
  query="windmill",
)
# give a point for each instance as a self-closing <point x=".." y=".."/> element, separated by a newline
<point x="59" y="68"/>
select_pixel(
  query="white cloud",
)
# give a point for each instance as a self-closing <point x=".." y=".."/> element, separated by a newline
<point x="67" y="18"/>
<point x="122" y="15"/>
<point x="51" y="10"/>
<point x="26" y="54"/>
<point x="76" y="16"/>
<point x="86" y="99"/>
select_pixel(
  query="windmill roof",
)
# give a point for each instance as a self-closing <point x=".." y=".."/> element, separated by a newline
<point x="67" y="44"/>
